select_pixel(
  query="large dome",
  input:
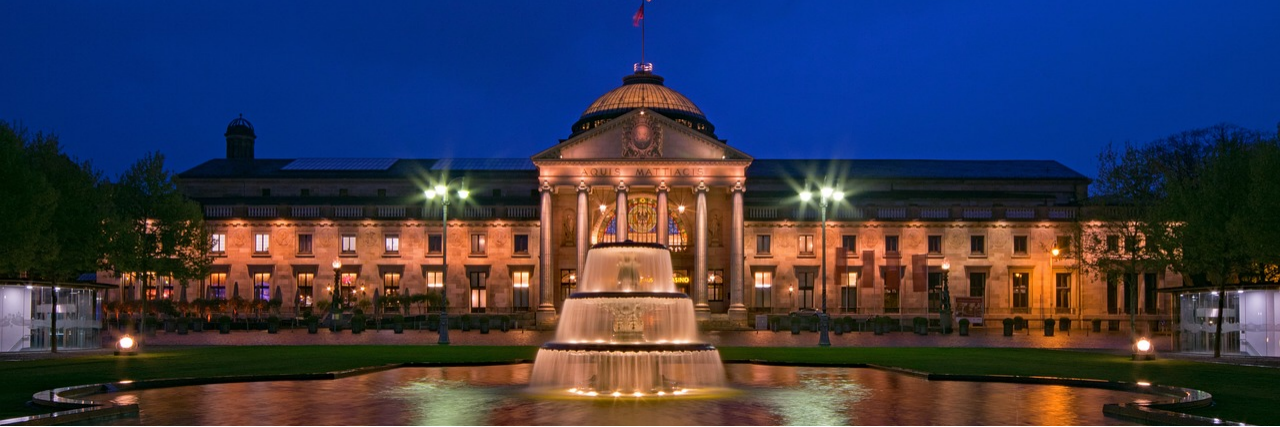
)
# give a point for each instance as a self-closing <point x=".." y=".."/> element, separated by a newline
<point x="643" y="90"/>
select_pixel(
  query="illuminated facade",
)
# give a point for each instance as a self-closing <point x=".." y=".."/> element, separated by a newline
<point x="643" y="163"/>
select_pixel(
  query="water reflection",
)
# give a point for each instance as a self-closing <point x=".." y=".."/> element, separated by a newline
<point x="496" y="395"/>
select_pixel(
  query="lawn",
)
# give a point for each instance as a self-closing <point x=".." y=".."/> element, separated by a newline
<point x="1242" y="393"/>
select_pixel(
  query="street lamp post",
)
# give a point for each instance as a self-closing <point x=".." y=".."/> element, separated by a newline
<point x="1053" y="253"/>
<point x="442" y="190"/>
<point x="335" y="306"/>
<point x="945" y="315"/>
<point x="824" y="321"/>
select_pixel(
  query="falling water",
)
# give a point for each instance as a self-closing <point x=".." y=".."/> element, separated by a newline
<point x="627" y="331"/>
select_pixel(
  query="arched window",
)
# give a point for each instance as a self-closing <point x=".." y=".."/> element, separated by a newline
<point x="642" y="224"/>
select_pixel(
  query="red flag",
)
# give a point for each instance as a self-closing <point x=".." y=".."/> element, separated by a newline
<point x="635" y="20"/>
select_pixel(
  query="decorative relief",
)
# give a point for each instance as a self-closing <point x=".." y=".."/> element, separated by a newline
<point x="282" y="239"/>
<point x="641" y="137"/>
<point x="238" y="240"/>
<point x="912" y="240"/>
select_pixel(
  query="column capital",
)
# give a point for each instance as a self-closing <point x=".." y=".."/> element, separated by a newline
<point x="662" y="187"/>
<point x="622" y="186"/>
<point x="545" y="187"/>
<point x="702" y="187"/>
<point x="738" y="187"/>
<point x="583" y="187"/>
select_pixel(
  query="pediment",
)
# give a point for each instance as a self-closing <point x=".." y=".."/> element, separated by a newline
<point x="642" y="134"/>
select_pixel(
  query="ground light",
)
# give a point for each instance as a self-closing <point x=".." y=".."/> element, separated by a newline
<point x="1142" y="350"/>
<point x="126" y="346"/>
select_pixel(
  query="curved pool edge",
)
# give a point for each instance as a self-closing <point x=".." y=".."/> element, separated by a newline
<point x="1162" y="412"/>
<point x="84" y="410"/>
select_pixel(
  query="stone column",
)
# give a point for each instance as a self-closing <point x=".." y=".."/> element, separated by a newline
<point x="737" y="310"/>
<point x="663" y="231"/>
<point x="546" y="314"/>
<point x="621" y="233"/>
<point x="582" y="242"/>
<point x="700" y="307"/>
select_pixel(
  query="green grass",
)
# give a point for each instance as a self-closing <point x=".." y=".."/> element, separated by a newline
<point x="1242" y="393"/>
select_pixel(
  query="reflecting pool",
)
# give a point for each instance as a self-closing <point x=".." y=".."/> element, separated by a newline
<point x="499" y="395"/>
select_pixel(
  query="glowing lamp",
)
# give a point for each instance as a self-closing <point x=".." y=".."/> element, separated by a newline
<point x="440" y="189"/>
<point x="946" y="266"/>
<point x="1143" y="350"/>
<point x="603" y="208"/>
<point x="1055" y="251"/>
<point x="680" y="208"/>
<point x="462" y="194"/>
<point x="126" y="346"/>
<point x="431" y="194"/>
<point x="806" y="196"/>
<point x="337" y="264"/>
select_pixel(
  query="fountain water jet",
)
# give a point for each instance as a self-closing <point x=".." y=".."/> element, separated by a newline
<point x="627" y="331"/>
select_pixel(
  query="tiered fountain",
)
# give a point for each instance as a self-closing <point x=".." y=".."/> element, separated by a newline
<point x="627" y="331"/>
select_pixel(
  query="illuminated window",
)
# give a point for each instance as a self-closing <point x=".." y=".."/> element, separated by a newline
<point x="479" y="290"/>
<point x="1062" y="292"/>
<point x="764" y="289"/>
<point x="348" y="244"/>
<point x="218" y="243"/>
<point x="306" y="289"/>
<point x="391" y="283"/>
<point x="261" y="243"/>
<point x="935" y="291"/>
<point x="1021" y="289"/>
<point x="434" y="279"/>
<point x="392" y="243"/>
<point x="806" y="245"/>
<point x="568" y="284"/>
<point x="217" y="285"/>
<point x="1113" y="243"/>
<point x="347" y="290"/>
<point x="262" y="285"/>
<point x="715" y="285"/>
<point x="520" y="289"/>
<point x="478" y="245"/>
<point x="849" y="292"/>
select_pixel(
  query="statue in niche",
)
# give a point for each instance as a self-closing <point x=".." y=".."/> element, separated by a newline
<point x="714" y="231"/>
<point x="568" y="219"/>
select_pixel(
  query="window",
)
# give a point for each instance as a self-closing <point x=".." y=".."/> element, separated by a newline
<point x="935" y="291"/>
<point x="306" y="289"/>
<point x="850" y="244"/>
<point x="261" y="243"/>
<point x="892" y="295"/>
<point x="1113" y="243"/>
<point x="262" y="285"/>
<point x="1020" y="245"/>
<point x="520" y="289"/>
<point x="764" y="288"/>
<point x="348" y="244"/>
<point x="266" y="192"/>
<point x="1113" y="292"/>
<point x="497" y="192"/>
<point x="849" y="292"/>
<point x="304" y="244"/>
<point x="568" y="283"/>
<point x="479" y="289"/>
<point x="1131" y="244"/>
<point x="343" y="192"/>
<point x="217" y="283"/>
<point x="978" y="284"/>
<point x="521" y="244"/>
<point x="305" y="192"/>
<point x="382" y="192"/>
<point x="391" y="283"/>
<point x="218" y="243"/>
<point x="392" y="243"/>
<point x="1063" y="243"/>
<point x="977" y="245"/>
<point x="806" y="245"/>
<point x="435" y="244"/>
<point x="478" y="244"/>
<point x="1062" y="294"/>
<point x="347" y="290"/>
<point x="715" y="285"/>
<point x="434" y="279"/>
<point x="891" y="244"/>
<point x="891" y="301"/>
<point x="763" y="244"/>
<point x="935" y="245"/>
<point x="805" y="280"/>
<point x="1021" y="297"/>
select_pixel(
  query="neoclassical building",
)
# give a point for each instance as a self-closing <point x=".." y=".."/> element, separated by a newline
<point x="644" y="163"/>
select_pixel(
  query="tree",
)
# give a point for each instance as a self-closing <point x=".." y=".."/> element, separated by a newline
<point x="155" y="230"/>
<point x="26" y="231"/>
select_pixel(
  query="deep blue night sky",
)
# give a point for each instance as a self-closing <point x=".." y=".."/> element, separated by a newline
<point x="779" y="79"/>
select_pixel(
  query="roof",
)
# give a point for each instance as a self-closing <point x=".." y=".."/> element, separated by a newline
<point x="642" y="90"/>
<point x="760" y="168"/>
<point x="914" y="169"/>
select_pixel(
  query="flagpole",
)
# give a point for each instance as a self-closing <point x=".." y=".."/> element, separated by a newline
<point x="642" y="33"/>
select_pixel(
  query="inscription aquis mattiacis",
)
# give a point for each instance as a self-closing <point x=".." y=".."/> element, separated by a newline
<point x="601" y="172"/>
